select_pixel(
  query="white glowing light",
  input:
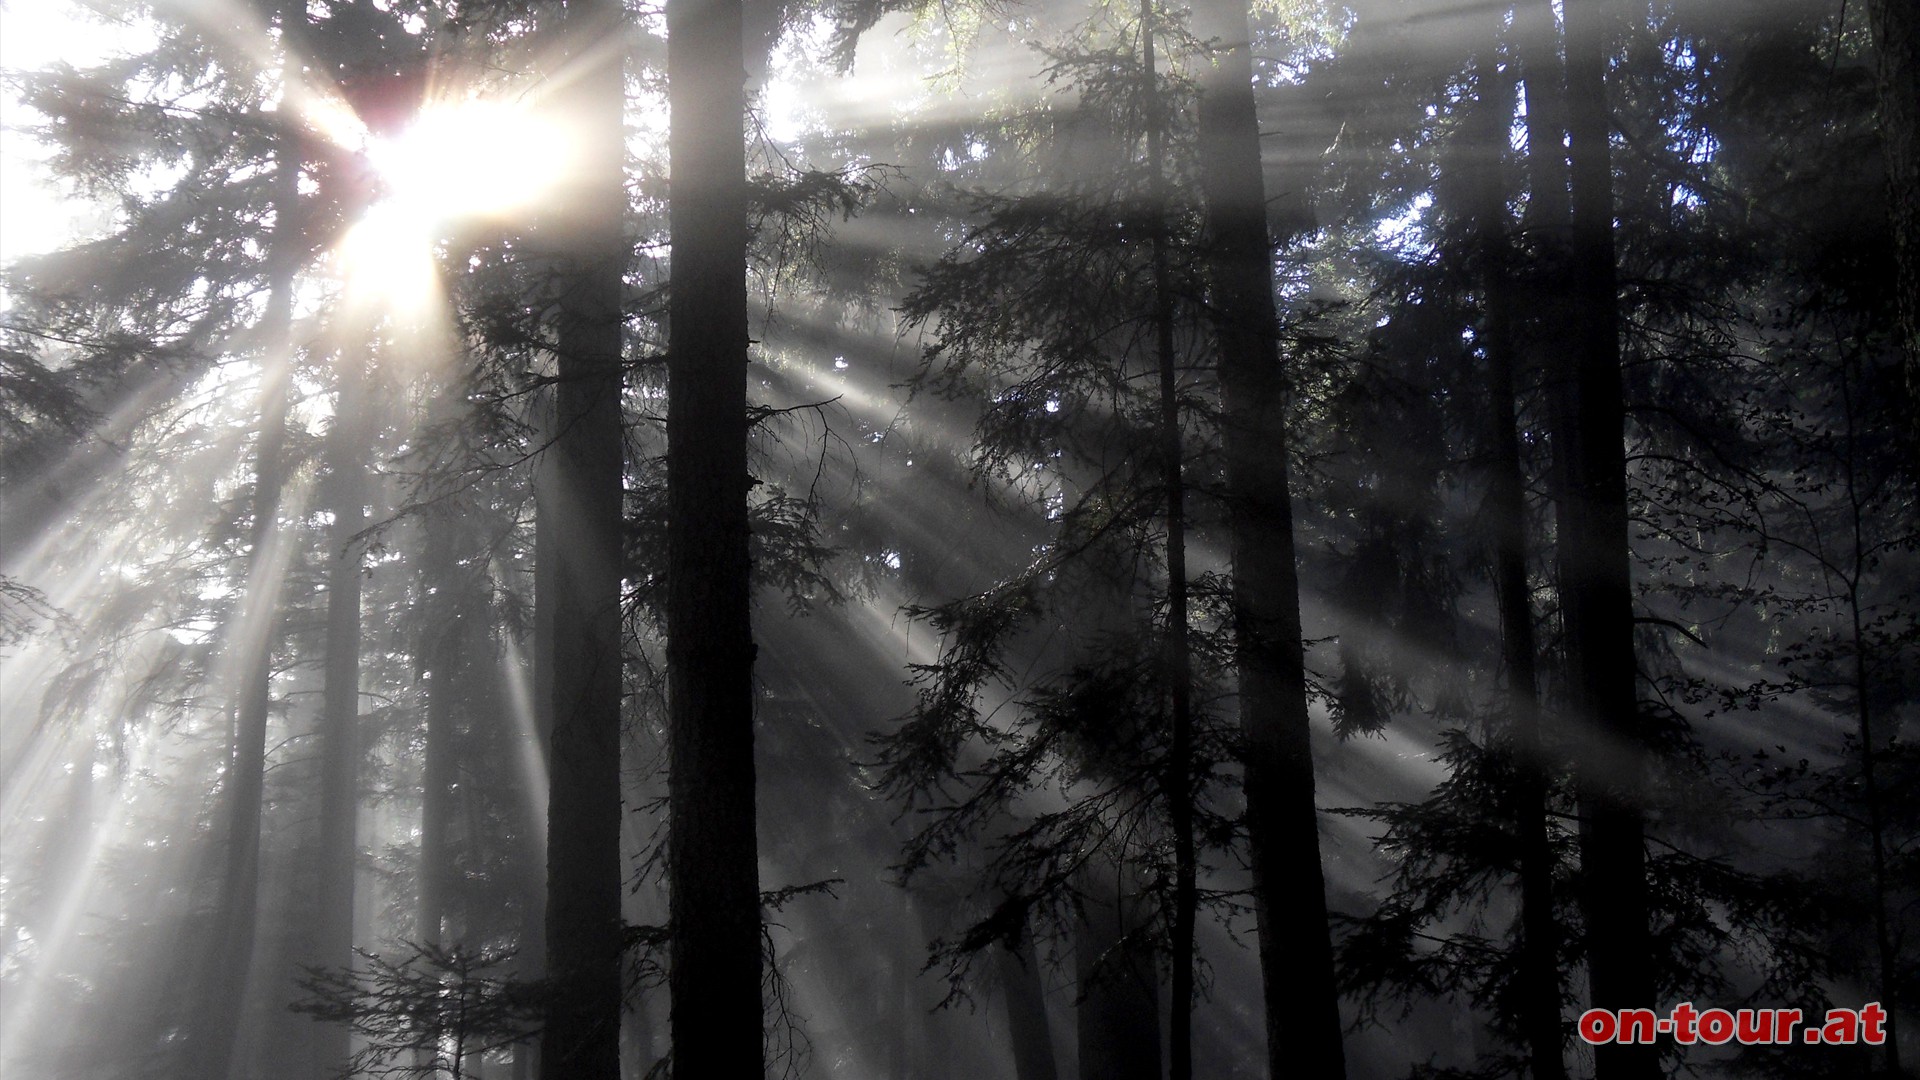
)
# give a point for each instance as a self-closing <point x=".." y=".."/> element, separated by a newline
<point x="456" y="162"/>
<point x="37" y="212"/>
<point x="388" y="257"/>
<point x="476" y="158"/>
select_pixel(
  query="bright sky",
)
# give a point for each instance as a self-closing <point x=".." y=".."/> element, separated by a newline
<point x="438" y="171"/>
<point x="34" y="216"/>
<point x="37" y="214"/>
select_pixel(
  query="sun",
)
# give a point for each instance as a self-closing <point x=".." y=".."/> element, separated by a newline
<point x="472" y="159"/>
<point x="455" y="164"/>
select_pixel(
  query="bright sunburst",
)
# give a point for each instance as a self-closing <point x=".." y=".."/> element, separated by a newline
<point x="455" y="163"/>
<point x="474" y="158"/>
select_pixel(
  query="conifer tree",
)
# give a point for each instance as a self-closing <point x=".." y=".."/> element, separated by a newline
<point x="712" y="852"/>
<point x="1540" y="995"/>
<point x="1179" y="647"/>
<point x="341" y="750"/>
<point x="1896" y="39"/>
<point x="584" y="936"/>
<point x="1595" y="579"/>
<point x="1025" y="303"/>
<point x="254" y="637"/>
<point x="1296" y="951"/>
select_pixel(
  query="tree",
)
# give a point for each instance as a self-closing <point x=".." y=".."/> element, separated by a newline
<point x="1050" y="314"/>
<point x="1896" y="39"/>
<point x="1082" y="427"/>
<point x="712" y="862"/>
<point x="1296" y="952"/>
<point x="584" y="937"/>
<point x="1026" y="1009"/>
<point x="225" y="990"/>
<point x="1595" y="579"/>
<point x="432" y="1015"/>
<point x="1540" y="993"/>
<point x="341" y="750"/>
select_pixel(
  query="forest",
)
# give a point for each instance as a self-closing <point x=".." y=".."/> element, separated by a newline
<point x="951" y="539"/>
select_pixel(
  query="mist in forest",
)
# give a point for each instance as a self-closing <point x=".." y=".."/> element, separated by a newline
<point x="888" y="539"/>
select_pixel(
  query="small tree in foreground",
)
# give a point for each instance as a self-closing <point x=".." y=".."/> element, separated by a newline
<point x="436" y="1013"/>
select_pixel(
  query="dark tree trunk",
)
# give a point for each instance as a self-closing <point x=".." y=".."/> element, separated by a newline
<point x="584" y="936"/>
<point x="441" y="645"/>
<point x="1118" y="1015"/>
<point x="1026" y="1004"/>
<point x="1296" y="952"/>
<point x="1484" y="180"/>
<point x="447" y="657"/>
<point x="1896" y="44"/>
<point x="1179" y="770"/>
<point x="1595" y="577"/>
<point x="347" y="449"/>
<point x="1537" y="48"/>
<point x="257" y="627"/>
<point x="1540" y="933"/>
<point x="712" y="849"/>
<point x="1885" y="930"/>
<point x="1539" y="975"/>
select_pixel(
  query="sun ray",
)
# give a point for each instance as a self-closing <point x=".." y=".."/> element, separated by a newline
<point x="532" y="755"/>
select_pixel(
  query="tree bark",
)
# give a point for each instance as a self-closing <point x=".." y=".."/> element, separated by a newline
<point x="1537" y="48"/>
<point x="1539" y="931"/>
<point x="1595" y="576"/>
<point x="1886" y="949"/>
<point x="1539" y="974"/>
<point x="1178" y="782"/>
<point x="1118" y="1015"/>
<point x="584" y="936"/>
<point x="712" y="852"/>
<point x="1026" y="1006"/>
<point x="444" y="641"/>
<point x="1896" y="44"/>
<point x="347" y="448"/>
<point x="254" y="633"/>
<point x="1296" y="952"/>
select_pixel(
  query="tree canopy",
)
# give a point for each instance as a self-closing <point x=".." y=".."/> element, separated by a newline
<point x="881" y="538"/>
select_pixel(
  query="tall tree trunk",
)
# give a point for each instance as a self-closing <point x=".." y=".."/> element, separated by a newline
<point x="347" y="449"/>
<point x="712" y="848"/>
<point x="584" y="937"/>
<point x="442" y="646"/>
<point x="1296" y="951"/>
<point x="1537" y="48"/>
<point x="1539" y="931"/>
<point x="1178" y="780"/>
<point x="443" y="641"/>
<point x="255" y="632"/>
<point x="1896" y="44"/>
<point x="1539" y="974"/>
<point x="1026" y="1004"/>
<point x="1118" y="1014"/>
<point x="1595" y="576"/>
<point x="1887" y="973"/>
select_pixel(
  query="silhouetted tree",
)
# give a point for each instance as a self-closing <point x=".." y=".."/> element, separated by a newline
<point x="712" y="860"/>
<point x="1296" y="953"/>
<point x="581" y="1037"/>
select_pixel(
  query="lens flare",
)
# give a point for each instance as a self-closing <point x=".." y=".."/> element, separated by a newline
<point x="387" y="258"/>
<point x="472" y="159"/>
<point x="455" y="164"/>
